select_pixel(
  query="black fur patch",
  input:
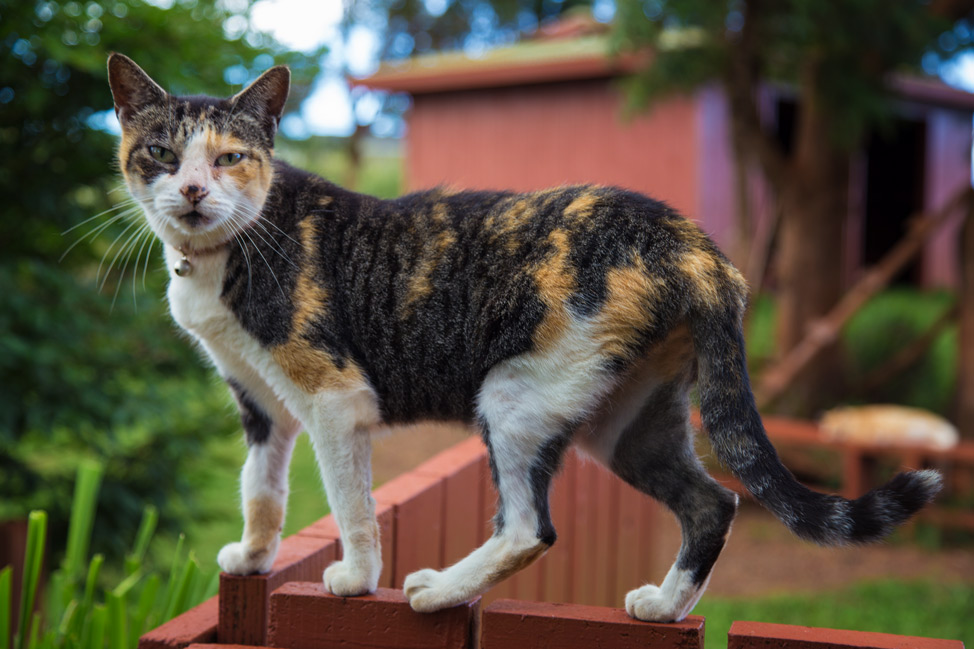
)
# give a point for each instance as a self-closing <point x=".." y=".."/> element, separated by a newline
<point x="256" y="423"/>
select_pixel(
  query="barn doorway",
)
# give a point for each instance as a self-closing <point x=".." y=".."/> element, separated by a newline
<point x="895" y="180"/>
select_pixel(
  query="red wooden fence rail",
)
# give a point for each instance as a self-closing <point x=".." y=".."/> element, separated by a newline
<point x="434" y="515"/>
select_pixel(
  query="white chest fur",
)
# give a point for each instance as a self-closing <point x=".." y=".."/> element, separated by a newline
<point x="194" y="300"/>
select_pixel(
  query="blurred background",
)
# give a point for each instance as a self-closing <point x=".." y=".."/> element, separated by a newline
<point x="826" y="146"/>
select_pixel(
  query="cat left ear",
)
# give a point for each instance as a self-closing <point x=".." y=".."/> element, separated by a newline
<point x="132" y="88"/>
<point x="266" y="96"/>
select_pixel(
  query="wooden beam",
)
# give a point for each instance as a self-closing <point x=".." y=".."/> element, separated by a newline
<point x="825" y="331"/>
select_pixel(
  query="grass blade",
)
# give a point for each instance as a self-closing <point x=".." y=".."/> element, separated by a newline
<point x="82" y="518"/>
<point x="6" y="605"/>
<point x="147" y="600"/>
<point x="150" y="518"/>
<point x="116" y="621"/>
<point x="96" y="638"/>
<point x="174" y="571"/>
<point x="33" y="559"/>
<point x="180" y="597"/>
<point x="35" y="631"/>
<point x="83" y="623"/>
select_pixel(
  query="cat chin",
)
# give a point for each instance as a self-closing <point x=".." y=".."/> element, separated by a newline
<point x="200" y="240"/>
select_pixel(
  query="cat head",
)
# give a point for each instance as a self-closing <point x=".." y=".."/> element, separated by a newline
<point x="200" y="166"/>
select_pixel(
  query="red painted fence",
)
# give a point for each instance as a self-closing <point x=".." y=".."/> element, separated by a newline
<point x="434" y="515"/>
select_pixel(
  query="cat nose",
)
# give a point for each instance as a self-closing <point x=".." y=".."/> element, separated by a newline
<point x="194" y="193"/>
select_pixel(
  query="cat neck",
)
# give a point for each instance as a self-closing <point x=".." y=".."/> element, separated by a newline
<point x="185" y="262"/>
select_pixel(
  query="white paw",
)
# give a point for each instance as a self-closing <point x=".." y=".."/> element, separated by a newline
<point x="429" y="590"/>
<point x="651" y="605"/>
<point x="236" y="559"/>
<point x="343" y="580"/>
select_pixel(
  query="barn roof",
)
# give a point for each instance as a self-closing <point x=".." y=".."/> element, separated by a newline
<point x="524" y="63"/>
<point x="569" y="59"/>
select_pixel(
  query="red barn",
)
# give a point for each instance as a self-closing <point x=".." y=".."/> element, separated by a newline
<point x="543" y="113"/>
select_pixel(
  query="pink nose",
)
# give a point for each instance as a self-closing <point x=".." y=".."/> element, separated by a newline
<point x="194" y="194"/>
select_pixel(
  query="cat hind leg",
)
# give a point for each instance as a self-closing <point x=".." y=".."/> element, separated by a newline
<point x="654" y="453"/>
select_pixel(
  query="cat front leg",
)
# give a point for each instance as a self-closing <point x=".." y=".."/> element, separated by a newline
<point x="270" y="432"/>
<point x="342" y="443"/>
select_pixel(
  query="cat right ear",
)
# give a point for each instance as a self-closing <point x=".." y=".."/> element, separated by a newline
<point x="132" y="88"/>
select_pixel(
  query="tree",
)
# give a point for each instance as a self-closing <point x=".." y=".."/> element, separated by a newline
<point x="838" y="57"/>
<point x="84" y="373"/>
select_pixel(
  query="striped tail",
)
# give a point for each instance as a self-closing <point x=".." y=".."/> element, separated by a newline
<point x="740" y="442"/>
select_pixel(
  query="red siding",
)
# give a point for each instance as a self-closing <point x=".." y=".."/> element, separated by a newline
<point x="553" y="134"/>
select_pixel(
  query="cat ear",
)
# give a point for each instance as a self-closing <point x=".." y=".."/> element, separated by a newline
<point x="266" y="96"/>
<point x="132" y="88"/>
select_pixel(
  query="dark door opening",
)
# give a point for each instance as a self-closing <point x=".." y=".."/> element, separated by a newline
<point x="895" y="163"/>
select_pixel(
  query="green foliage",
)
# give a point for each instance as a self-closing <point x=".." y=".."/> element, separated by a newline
<point x="77" y="612"/>
<point x="916" y="608"/>
<point x="891" y="321"/>
<point x="851" y="46"/>
<point x="89" y="360"/>
<point x="888" y="323"/>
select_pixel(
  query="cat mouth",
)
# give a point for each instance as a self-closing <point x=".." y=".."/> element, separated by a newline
<point x="194" y="219"/>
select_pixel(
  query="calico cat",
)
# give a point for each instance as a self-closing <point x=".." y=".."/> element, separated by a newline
<point x="578" y="315"/>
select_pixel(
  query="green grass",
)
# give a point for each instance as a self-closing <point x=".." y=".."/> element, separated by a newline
<point x="915" y="608"/>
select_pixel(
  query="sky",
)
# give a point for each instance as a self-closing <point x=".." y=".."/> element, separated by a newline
<point x="327" y="110"/>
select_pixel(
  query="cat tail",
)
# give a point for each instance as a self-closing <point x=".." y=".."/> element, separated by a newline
<point x="739" y="440"/>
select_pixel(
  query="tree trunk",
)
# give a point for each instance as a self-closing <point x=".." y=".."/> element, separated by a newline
<point x="814" y="201"/>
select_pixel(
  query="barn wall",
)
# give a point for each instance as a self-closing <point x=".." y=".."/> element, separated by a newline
<point x="948" y="169"/>
<point x="532" y="137"/>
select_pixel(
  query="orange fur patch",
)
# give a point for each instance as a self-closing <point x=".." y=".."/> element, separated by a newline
<point x="555" y="282"/>
<point x="263" y="521"/>
<point x="516" y="563"/>
<point x="702" y="270"/>
<point x="312" y="369"/>
<point x="419" y="285"/>
<point x="581" y="207"/>
<point x="628" y="309"/>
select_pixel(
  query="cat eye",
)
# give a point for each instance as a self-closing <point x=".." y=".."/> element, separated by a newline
<point x="229" y="159"/>
<point x="162" y="154"/>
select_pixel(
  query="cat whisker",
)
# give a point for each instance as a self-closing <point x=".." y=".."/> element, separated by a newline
<point x="97" y="231"/>
<point x="124" y="254"/>
<point x="129" y="248"/>
<point x="135" y="270"/>
<point x="258" y="221"/>
<point x="235" y="235"/>
<point x="126" y="203"/>
<point x="246" y="233"/>
<point x="148" y="256"/>
<point x="264" y="220"/>
<point x="98" y="274"/>
<point x="274" y="245"/>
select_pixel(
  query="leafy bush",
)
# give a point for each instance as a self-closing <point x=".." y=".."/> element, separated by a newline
<point x="890" y="322"/>
<point x="86" y="374"/>
<point x="887" y="324"/>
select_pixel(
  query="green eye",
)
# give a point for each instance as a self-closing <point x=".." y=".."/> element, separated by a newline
<point x="229" y="159"/>
<point x="162" y="154"/>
